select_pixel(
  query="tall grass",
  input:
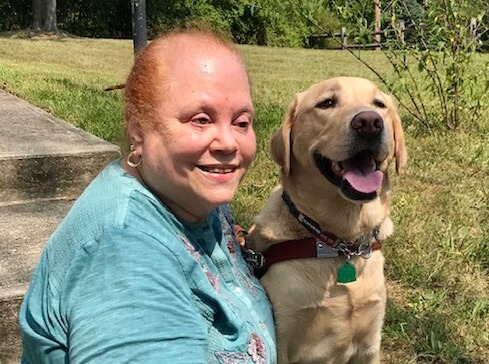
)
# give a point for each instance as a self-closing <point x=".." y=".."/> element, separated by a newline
<point x="437" y="260"/>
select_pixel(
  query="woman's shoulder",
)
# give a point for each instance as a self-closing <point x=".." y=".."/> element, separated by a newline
<point x="113" y="200"/>
<point x="112" y="196"/>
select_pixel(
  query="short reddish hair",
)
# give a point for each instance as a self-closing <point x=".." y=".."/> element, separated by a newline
<point x="144" y="87"/>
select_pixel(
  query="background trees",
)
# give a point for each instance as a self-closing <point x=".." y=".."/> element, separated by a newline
<point x="44" y="16"/>
<point x="263" y="22"/>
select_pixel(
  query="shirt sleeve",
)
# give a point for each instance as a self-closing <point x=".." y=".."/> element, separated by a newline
<point x="128" y="301"/>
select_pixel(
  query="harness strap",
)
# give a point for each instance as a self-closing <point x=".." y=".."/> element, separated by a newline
<point x="298" y="249"/>
<point x="322" y="245"/>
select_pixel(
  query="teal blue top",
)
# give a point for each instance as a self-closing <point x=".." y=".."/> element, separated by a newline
<point x="122" y="280"/>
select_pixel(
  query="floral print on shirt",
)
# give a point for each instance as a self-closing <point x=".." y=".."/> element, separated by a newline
<point x="226" y="357"/>
<point x="256" y="352"/>
<point x="227" y="226"/>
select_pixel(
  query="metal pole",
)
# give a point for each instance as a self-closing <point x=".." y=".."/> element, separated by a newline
<point x="139" y="31"/>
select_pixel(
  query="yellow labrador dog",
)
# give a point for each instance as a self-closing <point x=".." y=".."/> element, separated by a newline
<point x="320" y="232"/>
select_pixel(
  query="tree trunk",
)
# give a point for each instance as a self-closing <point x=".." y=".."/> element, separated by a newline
<point x="49" y="18"/>
<point x="36" y="16"/>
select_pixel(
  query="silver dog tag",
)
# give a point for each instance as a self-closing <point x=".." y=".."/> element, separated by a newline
<point x="324" y="251"/>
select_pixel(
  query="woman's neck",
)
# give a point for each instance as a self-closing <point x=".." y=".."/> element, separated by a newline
<point x="179" y="211"/>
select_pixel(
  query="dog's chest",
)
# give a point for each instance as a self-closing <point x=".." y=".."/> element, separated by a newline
<point x="312" y="283"/>
<point x="337" y="318"/>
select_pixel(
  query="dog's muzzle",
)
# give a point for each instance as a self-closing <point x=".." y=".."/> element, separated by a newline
<point x="359" y="177"/>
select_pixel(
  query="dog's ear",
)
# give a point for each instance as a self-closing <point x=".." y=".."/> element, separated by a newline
<point x="400" y="151"/>
<point x="281" y="143"/>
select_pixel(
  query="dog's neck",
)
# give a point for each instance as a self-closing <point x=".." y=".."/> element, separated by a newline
<point x="325" y="204"/>
<point x="326" y="237"/>
<point x="342" y="218"/>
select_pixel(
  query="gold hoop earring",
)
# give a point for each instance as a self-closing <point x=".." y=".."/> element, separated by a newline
<point x="130" y="163"/>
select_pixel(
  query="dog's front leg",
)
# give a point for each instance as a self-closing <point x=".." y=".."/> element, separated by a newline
<point x="367" y="358"/>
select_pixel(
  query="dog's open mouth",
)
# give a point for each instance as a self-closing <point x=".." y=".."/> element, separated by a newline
<point x="359" y="177"/>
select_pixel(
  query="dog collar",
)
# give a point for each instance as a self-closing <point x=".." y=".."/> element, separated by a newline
<point x="330" y="239"/>
<point x="322" y="245"/>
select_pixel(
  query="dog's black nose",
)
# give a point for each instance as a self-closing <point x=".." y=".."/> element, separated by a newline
<point x="367" y="123"/>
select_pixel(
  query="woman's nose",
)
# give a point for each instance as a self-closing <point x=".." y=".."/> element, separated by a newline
<point x="224" y="140"/>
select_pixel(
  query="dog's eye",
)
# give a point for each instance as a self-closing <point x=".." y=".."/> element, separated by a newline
<point x="326" y="104"/>
<point x="379" y="104"/>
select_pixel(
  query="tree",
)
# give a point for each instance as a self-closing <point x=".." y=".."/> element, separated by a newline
<point x="44" y="16"/>
<point x="36" y="15"/>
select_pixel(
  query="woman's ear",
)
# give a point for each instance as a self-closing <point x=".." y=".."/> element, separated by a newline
<point x="133" y="138"/>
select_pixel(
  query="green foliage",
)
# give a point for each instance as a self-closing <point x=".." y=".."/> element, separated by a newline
<point x="444" y="54"/>
<point x="440" y="46"/>
<point x="14" y="15"/>
<point x="280" y="25"/>
<point x="262" y="22"/>
<point x="166" y="15"/>
<point x="100" y="19"/>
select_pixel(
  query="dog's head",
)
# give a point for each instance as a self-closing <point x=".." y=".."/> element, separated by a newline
<point x="344" y="130"/>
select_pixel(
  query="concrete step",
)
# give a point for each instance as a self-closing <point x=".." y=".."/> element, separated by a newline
<point x="45" y="163"/>
<point x="24" y="230"/>
<point x="44" y="157"/>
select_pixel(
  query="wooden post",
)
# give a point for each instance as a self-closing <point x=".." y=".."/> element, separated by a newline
<point x="378" y="38"/>
<point x="473" y="28"/>
<point x="402" y="29"/>
<point x="344" y="35"/>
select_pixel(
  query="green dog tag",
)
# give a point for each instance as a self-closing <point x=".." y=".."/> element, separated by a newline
<point x="347" y="273"/>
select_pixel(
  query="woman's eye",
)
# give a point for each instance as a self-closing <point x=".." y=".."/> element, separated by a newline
<point x="201" y="121"/>
<point x="242" y="124"/>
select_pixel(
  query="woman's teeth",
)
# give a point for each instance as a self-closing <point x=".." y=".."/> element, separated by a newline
<point x="217" y="170"/>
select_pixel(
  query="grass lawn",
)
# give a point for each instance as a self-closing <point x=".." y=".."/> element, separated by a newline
<point x="438" y="259"/>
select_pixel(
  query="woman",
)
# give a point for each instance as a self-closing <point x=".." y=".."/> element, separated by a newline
<point x="145" y="267"/>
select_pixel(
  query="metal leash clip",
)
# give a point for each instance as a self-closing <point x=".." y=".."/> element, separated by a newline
<point x="325" y="251"/>
<point x="255" y="259"/>
<point x="365" y="250"/>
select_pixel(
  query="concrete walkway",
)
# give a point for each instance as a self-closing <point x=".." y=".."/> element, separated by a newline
<point x="45" y="163"/>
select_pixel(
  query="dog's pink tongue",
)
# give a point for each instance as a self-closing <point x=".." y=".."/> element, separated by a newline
<point x="365" y="182"/>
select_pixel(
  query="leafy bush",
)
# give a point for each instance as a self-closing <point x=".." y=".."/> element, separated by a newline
<point x="440" y="47"/>
<point x="14" y="14"/>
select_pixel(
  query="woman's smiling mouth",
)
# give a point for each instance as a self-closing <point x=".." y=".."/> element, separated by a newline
<point x="218" y="169"/>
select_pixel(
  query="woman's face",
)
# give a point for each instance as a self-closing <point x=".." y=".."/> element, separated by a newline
<point x="204" y="141"/>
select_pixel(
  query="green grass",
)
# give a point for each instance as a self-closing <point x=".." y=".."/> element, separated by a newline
<point x="438" y="259"/>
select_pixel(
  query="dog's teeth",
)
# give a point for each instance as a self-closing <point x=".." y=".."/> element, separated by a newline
<point x="337" y="168"/>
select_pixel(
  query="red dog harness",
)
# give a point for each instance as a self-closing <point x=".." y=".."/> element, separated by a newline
<point x="322" y="245"/>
